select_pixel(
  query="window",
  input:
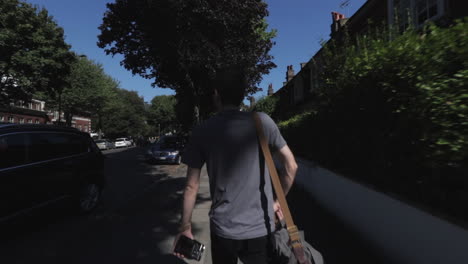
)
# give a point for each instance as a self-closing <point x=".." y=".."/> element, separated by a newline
<point x="21" y="121"/>
<point x="11" y="119"/>
<point x="425" y="9"/>
<point x="2" y="119"/>
<point x="29" y="121"/>
<point x="13" y="150"/>
<point x="79" y="127"/>
<point x="37" y="121"/>
<point x="46" y="146"/>
<point x="402" y="12"/>
<point x="77" y="144"/>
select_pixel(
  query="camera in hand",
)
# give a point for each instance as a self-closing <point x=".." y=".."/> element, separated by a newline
<point x="190" y="248"/>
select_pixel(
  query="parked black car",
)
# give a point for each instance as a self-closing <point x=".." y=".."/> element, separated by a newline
<point x="44" y="164"/>
<point x="168" y="149"/>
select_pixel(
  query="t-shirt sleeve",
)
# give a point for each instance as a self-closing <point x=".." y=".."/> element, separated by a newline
<point x="275" y="139"/>
<point x="193" y="154"/>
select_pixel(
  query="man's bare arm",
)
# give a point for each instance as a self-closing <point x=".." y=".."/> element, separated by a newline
<point x="190" y="196"/>
<point x="288" y="173"/>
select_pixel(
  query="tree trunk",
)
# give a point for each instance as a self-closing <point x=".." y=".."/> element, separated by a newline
<point x="68" y="118"/>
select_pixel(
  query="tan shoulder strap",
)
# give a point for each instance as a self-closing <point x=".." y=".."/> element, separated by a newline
<point x="292" y="229"/>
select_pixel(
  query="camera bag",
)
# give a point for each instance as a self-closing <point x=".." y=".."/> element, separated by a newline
<point x="288" y="241"/>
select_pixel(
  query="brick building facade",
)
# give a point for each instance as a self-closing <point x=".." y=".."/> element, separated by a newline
<point x="374" y="13"/>
<point x="35" y="112"/>
<point x="24" y="113"/>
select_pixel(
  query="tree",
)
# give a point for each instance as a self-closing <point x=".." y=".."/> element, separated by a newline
<point x="266" y="104"/>
<point x="33" y="54"/>
<point x="162" y="114"/>
<point x="125" y="115"/>
<point x="89" y="88"/>
<point x="181" y="44"/>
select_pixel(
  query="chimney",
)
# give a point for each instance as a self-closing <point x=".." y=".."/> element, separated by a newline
<point x="337" y="16"/>
<point x="270" y="89"/>
<point x="338" y="21"/>
<point x="289" y="73"/>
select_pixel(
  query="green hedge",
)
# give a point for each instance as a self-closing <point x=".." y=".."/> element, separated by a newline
<point x="266" y="104"/>
<point x="393" y="112"/>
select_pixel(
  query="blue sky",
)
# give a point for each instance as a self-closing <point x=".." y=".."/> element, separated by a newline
<point x="301" y="24"/>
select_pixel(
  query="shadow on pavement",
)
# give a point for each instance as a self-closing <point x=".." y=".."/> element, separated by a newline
<point x="135" y="224"/>
<point x="336" y="242"/>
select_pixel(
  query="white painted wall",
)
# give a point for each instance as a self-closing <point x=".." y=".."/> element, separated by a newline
<point x="402" y="233"/>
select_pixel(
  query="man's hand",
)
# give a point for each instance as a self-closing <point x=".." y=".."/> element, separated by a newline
<point x="277" y="210"/>
<point x="187" y="233"/>
<point x="190" y="196"/>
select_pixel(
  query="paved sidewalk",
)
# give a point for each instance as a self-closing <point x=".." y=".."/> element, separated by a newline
<point x="200" y="221"/>
<point x="200" y="218"/>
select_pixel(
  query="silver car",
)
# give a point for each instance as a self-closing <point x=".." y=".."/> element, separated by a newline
<point x="104" y="144"/>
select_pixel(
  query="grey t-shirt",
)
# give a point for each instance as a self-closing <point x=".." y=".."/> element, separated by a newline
<point x="240" y="184"/>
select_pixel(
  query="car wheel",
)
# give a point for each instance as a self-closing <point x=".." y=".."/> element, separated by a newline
<point x="89" y="197"/>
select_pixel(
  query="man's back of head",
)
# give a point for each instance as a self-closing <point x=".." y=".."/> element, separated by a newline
<point x="231" y="85"/>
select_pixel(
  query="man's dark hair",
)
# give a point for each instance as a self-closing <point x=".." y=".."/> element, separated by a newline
<point x="231" y="84"/>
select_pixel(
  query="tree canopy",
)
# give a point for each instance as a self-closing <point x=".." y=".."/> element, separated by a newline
<point x="33" y="54"/>
<point x="125" y="115"/>
<point x="181" y="44"/>
<point x="89" y="88"/>
<point x="162" y="113"/>
<point x="266" y="104"/>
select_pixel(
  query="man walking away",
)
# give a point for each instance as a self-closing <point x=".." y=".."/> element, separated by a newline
<point x="242" y="210"/>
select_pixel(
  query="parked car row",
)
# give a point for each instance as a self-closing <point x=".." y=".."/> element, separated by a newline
<point x="43" y="164"/>
<point x="105" y="144"/>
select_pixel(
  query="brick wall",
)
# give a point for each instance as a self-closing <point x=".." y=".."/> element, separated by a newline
<point x="19" y="118"/>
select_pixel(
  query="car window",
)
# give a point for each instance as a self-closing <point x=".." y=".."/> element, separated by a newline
<point x="92" y="146"/>
<point x="13" y="150"/>
<point x="169" y="145"/>
<point x="77" y="143"/>
<point x="45" y="146"/>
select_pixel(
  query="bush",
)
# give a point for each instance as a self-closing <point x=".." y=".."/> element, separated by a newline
<point x="266" y="104"/>
<point x="393" y="111"/>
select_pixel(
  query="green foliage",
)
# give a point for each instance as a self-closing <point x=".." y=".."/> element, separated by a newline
<point x="181" y="44"/>
<point x="295" y="121"/>
<point x="89" y="89"/>
<point x="415" y="80"/>
<point x="266" y="104"/>
<point x="33" y="54"/>
<point x="392" y="111"/>
<point x="162" y="114"/>
<point x="125" y="115"/>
